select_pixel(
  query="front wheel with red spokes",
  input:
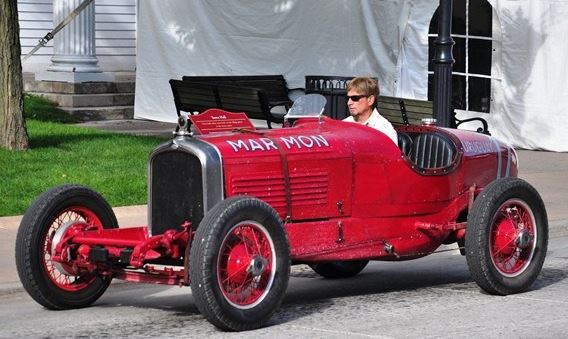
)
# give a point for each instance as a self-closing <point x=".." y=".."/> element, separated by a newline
<point x="58" y="284"/>
<point x="239" y="264"/>
<point x="506" y="237"/>
<point x="245" y="265"/>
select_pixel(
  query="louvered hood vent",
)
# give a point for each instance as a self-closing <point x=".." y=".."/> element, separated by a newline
<point x="308" y="189"/>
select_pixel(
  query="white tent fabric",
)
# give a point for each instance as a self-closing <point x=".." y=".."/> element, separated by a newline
<point x="412" y="76"/>
<point x="383" y="38"/>
<point x="290" y="37"/>
<point x="528" y="107"/>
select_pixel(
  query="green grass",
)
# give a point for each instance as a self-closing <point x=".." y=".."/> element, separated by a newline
<point x="113" y="164"/>
<point x="38" y="108"/>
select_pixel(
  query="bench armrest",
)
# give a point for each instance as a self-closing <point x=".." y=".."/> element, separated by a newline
<point x="484" y="129"/>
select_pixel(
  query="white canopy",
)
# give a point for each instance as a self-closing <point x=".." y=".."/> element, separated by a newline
<point x="383" y="38"/>
<point x="528" y="107"/>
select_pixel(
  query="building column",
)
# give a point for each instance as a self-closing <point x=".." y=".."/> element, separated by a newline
<point x="74" y="49"/>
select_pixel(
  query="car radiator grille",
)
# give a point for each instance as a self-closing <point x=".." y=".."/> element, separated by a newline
<point x="176" y="191"/>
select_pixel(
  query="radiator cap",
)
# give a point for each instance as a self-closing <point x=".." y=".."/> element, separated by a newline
<point x="183" y="125"/>
<point x="429" y="122"/>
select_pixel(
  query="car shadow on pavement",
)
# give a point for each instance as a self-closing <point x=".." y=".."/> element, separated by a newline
<point x="548" y="277"/>
<point x="159" y="297"/>
<point x="309" y="293"/>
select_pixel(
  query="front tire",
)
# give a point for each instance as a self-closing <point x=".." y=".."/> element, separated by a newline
<point x="239" y="264"/>
<point x="506" y="237"/>
<point x="46" y="281"/>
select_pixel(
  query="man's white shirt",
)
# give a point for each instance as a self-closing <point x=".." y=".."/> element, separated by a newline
<point x="378" y="122"/>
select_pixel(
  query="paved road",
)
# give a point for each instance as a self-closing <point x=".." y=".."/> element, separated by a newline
<point x="426" y="298"/>
<point x="430" y="297"/>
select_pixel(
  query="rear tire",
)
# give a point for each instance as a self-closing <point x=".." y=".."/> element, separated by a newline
<point x="239" y="264"/>
<point x="41" y="277"/>
<point x="506" y="237"/>
<point x="339" y="269"/>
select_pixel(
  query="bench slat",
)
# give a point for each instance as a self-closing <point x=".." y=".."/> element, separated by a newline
<point x="193" y="96"/>
<point x="416" y="110"/>
<point x="273" y="86"/>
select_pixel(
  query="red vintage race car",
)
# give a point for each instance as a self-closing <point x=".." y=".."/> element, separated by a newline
<point x="229" y="212"/>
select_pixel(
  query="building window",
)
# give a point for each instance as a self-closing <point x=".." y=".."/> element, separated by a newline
<point x="477" y="43"/>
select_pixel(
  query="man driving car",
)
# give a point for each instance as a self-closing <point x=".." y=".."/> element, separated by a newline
<point x="362" y="93"/>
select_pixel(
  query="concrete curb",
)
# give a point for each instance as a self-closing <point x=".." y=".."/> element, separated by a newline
<point x="10" y="288"/>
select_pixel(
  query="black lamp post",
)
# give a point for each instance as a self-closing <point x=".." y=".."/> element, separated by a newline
<point x="443" y="64"/>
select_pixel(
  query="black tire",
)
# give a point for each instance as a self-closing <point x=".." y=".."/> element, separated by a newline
<point x="506" y="237"/>
<point x="339" y="269"/>
<point x="225" y="254"/>
<point x="40" y="276"/>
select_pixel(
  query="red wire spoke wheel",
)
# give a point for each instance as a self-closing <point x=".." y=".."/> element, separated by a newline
<point x="245" y="267"/>
<point x="506" y="237"/>
<point x="239" y="264"/>
<point x="513" y="238"/>
<point x="63" y="275"/>
<point x="57" y="285"/>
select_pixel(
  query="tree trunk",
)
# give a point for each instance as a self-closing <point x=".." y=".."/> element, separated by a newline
<point x="13" y="133"/>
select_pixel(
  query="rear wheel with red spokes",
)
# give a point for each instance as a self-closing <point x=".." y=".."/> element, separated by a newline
<point x="239" y="264"/>
<point x="506" y="237"/>
<point x="54" y="284"/>
<point x="512" y="240"/>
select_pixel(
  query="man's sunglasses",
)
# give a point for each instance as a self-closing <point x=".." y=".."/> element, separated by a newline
<point x="355" y="98"/>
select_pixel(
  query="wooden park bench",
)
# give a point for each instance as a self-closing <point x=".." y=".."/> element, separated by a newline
<point x="274" y="87"/>
<point x="411" y="111"/>
<point x="393" y="110"/>
<point x="194" y="97"/>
